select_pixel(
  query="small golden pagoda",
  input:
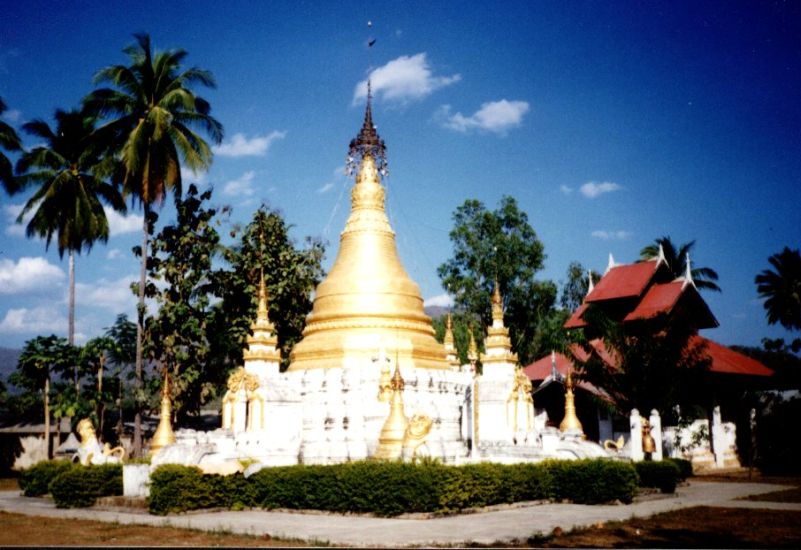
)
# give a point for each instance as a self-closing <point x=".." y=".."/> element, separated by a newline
<point x="390" y="441"/>
<point x="262" y="344"/>
<point x="498" y="345"/>
<point x="449" y="343"/>
<point x="367" y="301"/>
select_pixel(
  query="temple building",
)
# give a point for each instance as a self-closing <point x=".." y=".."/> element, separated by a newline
<point x="642" y="291"/>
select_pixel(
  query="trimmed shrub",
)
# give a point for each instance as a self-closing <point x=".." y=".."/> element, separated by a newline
<point x="79" y="486"/>
<point x="685" y="467"/>
<point x="592" y="481"/>
<point x="176" y="488"/>
<point x="392" y="488"/>
<point x="663" y="475"/>
<point x="34" y="481"/>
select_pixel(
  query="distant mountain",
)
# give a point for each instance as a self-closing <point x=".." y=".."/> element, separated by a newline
<point x="435" y="312"/>
<point x="8" y="361"/>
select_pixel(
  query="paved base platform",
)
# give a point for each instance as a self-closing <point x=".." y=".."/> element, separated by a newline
<point x="499" y="524"/>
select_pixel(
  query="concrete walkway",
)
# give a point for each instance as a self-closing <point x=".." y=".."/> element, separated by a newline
<point x="501" y="524"/>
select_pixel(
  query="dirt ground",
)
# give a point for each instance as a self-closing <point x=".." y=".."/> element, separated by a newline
<point x="700" y="527"/>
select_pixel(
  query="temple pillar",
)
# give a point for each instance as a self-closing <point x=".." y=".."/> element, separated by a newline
<point x="656" y="433"/>
<point x="635" y="443"/>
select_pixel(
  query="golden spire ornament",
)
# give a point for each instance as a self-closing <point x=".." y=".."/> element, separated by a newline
<point x="262" y="343"/>
<point x="390" y="442"/>
<point x="164" y="435"/>
<point x="570" y="423"/>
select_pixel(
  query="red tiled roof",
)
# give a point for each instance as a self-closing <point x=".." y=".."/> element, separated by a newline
<point x="575" y="320"/>
<point x="658" y="299"/>
<point x="624" y="281"/>
<point x="541" y="369"/>
<point x="726" y="360"/>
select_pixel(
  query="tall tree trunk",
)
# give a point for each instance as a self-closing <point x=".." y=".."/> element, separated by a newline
<point x="47" y="416"/>
<point x="101" y="406"/>
<point x="71" y="315"/>
<point x="140" y="329"/>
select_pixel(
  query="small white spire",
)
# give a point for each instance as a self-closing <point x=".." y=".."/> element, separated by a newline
<point x="688" y="274"/>
<point x="660" y="258"/>
<point x="591" y="284"/>
<point x="611" y="263"/>
<point x="554" y="372"/>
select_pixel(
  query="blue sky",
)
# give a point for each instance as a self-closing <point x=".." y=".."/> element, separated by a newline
<point x="611" y="124"/>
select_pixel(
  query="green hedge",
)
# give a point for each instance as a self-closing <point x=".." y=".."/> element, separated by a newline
<point x="685" y="467"/>
<point x="79" y="486"/>
<point x="34" y="481"/>
<point x="663" y="475"/>
<point x="392" y="488"/>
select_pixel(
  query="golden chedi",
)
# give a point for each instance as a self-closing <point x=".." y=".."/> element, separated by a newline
<point x="367" y="302"/>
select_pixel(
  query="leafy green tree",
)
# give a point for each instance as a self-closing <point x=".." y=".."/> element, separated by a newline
<point x="94" y="355"/>
<point x="657" y="365"/>
<point x="462" y="324"/>
<point x="500" y="245"/>
<point x="42" y="357"/>
<point x="153" y="116"/>
<point x="123" y="358"/>
<point x="69" y="200"/>
<point x="704" y="277"/>
<point x="9" y="140"/>
<point x="290" y="273"/>
<point x="576" y="286"/>
<point x="180" y="283"/>
<point x="781" y="289"/>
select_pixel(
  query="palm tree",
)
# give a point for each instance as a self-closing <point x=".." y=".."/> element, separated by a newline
<point x="703" y="277"/>
<point x="68" y="201"/>
<point x="152" y="114"/>
<point x="9" y="140"/>
<point x="782" y="289"/>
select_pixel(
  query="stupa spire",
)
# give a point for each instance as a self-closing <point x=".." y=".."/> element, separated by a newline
<point x="367" y="300"/>
<point x="367" y="142"/>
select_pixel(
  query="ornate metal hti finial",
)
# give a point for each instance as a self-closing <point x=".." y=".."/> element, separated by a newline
<point x="367" y="142"/>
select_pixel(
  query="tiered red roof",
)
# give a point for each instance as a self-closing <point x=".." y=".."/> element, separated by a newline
<point x="642" y="291"/>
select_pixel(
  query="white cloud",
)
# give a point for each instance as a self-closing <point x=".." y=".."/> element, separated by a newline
<point x="240" y="146"/>
<point x="494" y="116"/>
<point x="240" y="186"/>
<point x="326" y="188"/>
<point x="112" y="295"/>
<point x="37" y="320"/>
<point x="28" y="274"/>
<point x="119" y="224"/>
<point x="12" y="115"/>
<point x="406" y="78"/>
<point x="113" y="254"/>
<point x="188" y="176"/>
<point x="565" y="189"/>
<point x="592" y="189"/>
<point x="611" y="235"/>
<point x="12" y="211"/>
<point x="441" y="300"/>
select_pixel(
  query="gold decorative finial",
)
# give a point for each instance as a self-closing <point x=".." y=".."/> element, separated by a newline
<point x="497" y="302"/>
<point x="164" y="435"/>
<point x="570" y="422"/>
<point x="472" y="349"/>
<point x="390" y="442"/>
<point x="262" y="344"/>
<point x="367" y="142"/>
